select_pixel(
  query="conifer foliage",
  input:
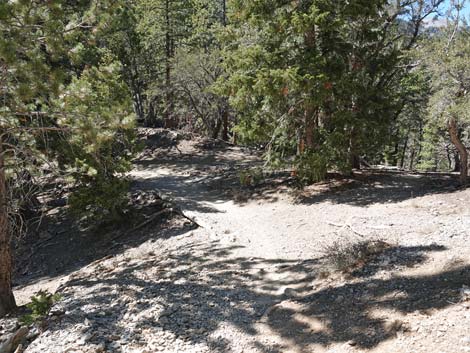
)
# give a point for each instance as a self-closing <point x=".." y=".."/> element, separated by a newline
<point x="318" y="80"/>
<point x="65" y="111"/>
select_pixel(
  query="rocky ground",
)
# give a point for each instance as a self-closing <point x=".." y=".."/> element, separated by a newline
<point x="259" y="274"/>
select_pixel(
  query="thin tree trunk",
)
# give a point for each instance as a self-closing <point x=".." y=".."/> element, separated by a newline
<point x="225" y="124"/>
<point x="168" y="115"/>
<point x="456" y="162"/>
<point x="310" y="127"/>
<point x="412" y="158"/>
<point x="224" y="13"/>
<point x="354" y="160"/>
<point x="216" y="130"/>
<point x="449" y="159"/>
<point x="136" y="88"/>
<point x="309" y="134"/>
<point x="415" y="153"/>
<point x="310" y="113"/>
<point x="463" y="153"/>
<point x="7" y="300"/>
<point x="405" y="148"/>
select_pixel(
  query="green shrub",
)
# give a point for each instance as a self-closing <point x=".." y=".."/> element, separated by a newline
<point x="312" y="167"/>
<point x="102" y="200"/>
<point x="251" y="177"/>
<point x="100" y="146"/>
<point x="40" y="305"/>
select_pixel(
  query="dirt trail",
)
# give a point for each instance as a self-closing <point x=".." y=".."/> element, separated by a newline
<point x="269" y="225"/>
<point x="423" y="218"/>
<point x="253" y="278"/>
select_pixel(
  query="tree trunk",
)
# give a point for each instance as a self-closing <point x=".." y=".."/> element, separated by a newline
<point x="225" y="124"/>
<point x="138" y="107"/>
<point x="310" y="113"/>
<point x="216" y="130"/>
<point x="412" y="158"/>
<point x="403" y="154"/>
<point x="169" y="122"/>
<point x="456" y="162"/>
<point x="136" y="89"/>
<point x="7" y="300"/>
<point x="224" y="13"/>
<point x="449" y="159"/>
<point x="355" y="161"/>
<point x="462" y="150"/>
<point x="310" y="126"/>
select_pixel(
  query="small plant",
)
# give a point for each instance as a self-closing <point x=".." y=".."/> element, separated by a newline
<point x="347" y="256"/>
<point x="251" y="177"/>
<point x="311" y="168"/>
<point x="101" y="201"/>
<point x="40" y="305"/>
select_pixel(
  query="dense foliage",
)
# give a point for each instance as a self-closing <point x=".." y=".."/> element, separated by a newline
<point x="66" y="113"/>
<point x="312" y="78"/>
<point x="64" y="103"/>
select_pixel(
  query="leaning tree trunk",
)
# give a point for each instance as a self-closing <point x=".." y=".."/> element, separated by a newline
<point x="7" y="300"/>
<point x="462" y="150"/>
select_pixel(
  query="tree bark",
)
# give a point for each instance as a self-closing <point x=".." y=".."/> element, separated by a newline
<point x="462" y="150"/>
<point x="456" y="163"/>
<point x="225" y="124"/>
<point x="412" y="158"/>
<point x="216" y="130"/>
<point x="7" y="300"/>
<point x="169" y="121"/>
<point x="224" y="13"/>
<point x="403" y="154"/>
<point x="310" y="127"/>
<point x="355" y="161"/>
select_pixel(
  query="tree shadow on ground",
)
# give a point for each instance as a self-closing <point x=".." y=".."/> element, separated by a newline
<point x="60" y="246"/>
<point x="213" y="176"/>
<point x="371" y="187"/>
<point x="189" y="293"/>
<point x="202" y="192"/>
<point x="397" y="257"/>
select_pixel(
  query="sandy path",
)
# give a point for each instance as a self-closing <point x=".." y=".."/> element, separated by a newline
<point x="276" y="229"/>
<point x="253" y="277"/>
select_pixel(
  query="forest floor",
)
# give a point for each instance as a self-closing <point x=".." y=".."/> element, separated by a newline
<point x="258" y="274"/>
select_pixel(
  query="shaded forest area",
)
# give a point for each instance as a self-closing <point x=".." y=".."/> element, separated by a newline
<point x="316" y="89"/>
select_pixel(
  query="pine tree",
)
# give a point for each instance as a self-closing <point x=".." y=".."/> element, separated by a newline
<point x="53" y="101"/>
<point x="445" y="55"/>
<point x="198" y="66"/>
<point x="310" y="77"/>
<point x="164" y="26"/>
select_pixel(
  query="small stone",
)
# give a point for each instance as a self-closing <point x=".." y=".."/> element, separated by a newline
<point x="101" y="347"/>
<point x="57" y="312"/>
<point x="290" y="292"/>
